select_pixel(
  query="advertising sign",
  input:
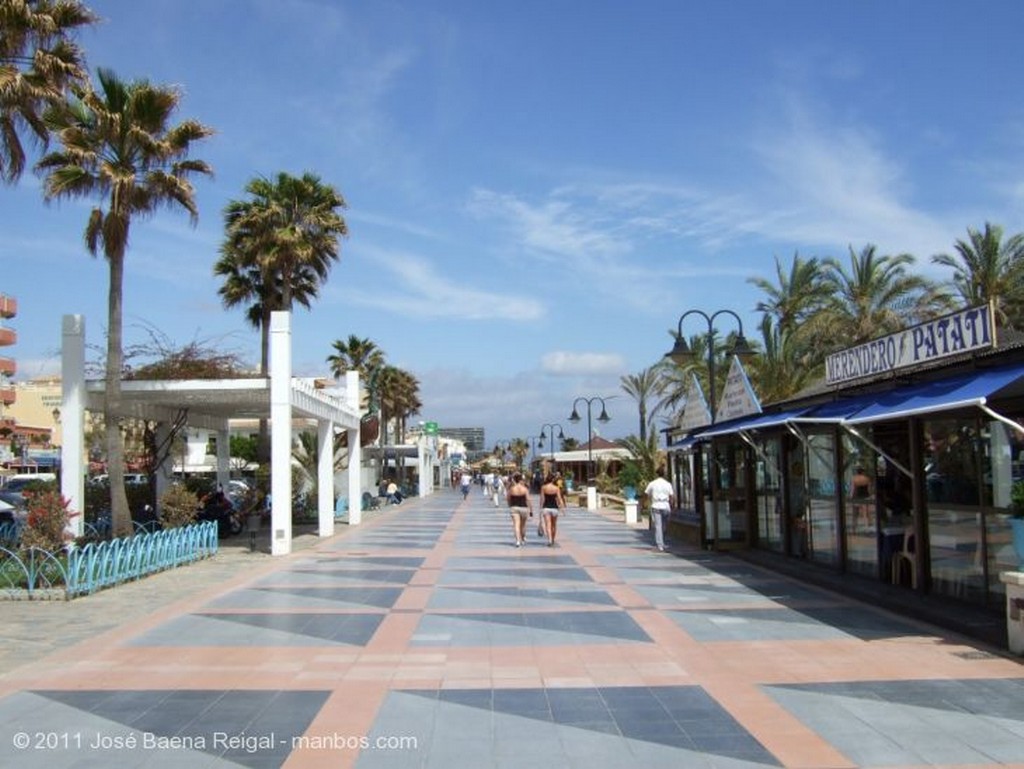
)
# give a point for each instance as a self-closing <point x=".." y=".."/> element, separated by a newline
<point x="953" y="334"/>
<point x="696" y="412"/>
<point x="738" y="399"/>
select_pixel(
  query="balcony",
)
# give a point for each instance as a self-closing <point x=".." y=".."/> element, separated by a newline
<point x="8" y="336"/>
<point x="8" y="367"/>
<point x="8" y="306"/>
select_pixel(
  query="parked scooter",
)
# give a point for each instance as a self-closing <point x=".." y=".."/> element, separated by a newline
<point x="217" y="507"/>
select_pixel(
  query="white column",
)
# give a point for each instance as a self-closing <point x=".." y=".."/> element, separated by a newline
<point x="72" y="419"/>
<point x="223" y="457"/>
<point x="280" y="433"/>
<point x="355" y="452"/>
<point x="325" y="477"/>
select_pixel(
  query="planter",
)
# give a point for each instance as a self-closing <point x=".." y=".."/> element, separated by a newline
<point x="629" y="492"/>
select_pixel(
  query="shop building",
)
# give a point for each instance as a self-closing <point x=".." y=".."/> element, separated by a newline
<point x="898" y="469"/>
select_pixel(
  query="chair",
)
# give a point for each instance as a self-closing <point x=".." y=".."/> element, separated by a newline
<point x="905" y="556"/>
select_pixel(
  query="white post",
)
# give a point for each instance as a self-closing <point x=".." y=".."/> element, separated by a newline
<point x="355" y="452"/>
<point x="280" y="433"/>
<point x="72" y="419"/>
<point x="325" y="478"/>
<point x="591" y="498"/>
<point x="223" y="457"/>
<point x="632" y="507"/>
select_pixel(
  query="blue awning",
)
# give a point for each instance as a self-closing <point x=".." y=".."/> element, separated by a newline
<point x="835" y="412"/>
<point x="752" y="422"/>
<point x="961" y="391"/>
<point x="686" y="443"/>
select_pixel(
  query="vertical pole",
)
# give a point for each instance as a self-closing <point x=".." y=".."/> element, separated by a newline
<point x="72" y="410"/>
<point x="281" y="433"/>
<point x="223" y="456"/>
<point x="355" y="452"/>
<point x="325" y="477"/>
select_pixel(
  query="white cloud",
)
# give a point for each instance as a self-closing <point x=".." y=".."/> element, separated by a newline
<point x="562" y="363"/>
<point x="415" y="288"/>
<point x="835" y="183"/>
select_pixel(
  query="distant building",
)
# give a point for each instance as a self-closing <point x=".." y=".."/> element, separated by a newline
<point x="471" y="437"/>
<point x="8" y="336"/>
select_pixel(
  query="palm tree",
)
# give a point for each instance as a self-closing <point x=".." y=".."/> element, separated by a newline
<point x="278" y="248"/>
<point x="987" y="268"/>
<point x="403" y="400"/>
<point x="786" y="366"/>
<point x="118" y="146"/>
<point x="287" y="227"/>
<point x="876" y="296"/>
<point x="643" y="387"/>
<point x="798" y="295"/>
<point x="519" y="448"/>
<point x="356" y="354"/>
<point x="246" y="282"/>
<point x="645" y="456"/>
<point x="39" y="62"/>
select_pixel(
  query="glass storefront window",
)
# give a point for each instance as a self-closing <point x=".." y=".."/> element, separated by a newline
<point x="730" y="468"/>
<point x="951" y="456"/>
<point x="822" y="539"/>
<point x="768" y="494"/>
<point x="859" y="485"/>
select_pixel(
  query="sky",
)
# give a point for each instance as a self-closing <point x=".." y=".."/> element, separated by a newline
<point x="538" y="190"/>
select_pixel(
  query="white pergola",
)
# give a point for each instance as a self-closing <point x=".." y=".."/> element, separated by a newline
<point x="210" y="404"/>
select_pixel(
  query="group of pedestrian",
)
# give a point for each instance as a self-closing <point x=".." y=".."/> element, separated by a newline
<point x="520" y="505"/>
<point x="519" y="496"/>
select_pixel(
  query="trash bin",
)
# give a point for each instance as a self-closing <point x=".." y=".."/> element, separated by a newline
<point x="252" y="525"/>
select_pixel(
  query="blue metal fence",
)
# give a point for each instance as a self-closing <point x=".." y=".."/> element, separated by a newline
<point x="98" y="565"/>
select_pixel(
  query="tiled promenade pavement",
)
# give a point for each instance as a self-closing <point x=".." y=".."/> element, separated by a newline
<point x="428" y="638"/>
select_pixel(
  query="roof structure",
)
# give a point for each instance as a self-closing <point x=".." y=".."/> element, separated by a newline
<point x="210" y="404"/>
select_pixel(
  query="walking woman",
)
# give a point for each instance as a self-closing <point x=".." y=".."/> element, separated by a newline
<point x="552" y="503"/>
<point x="520" y="506"/>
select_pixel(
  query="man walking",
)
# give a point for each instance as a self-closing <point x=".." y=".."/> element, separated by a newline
<point x="662" y="498"/>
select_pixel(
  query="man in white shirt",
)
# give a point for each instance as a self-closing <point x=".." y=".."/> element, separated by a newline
<point x="662" y="498"/>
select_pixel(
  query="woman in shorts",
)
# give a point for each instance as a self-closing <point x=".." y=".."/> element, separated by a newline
<point x="520" y="506"/>
<point x="552" y="503"/>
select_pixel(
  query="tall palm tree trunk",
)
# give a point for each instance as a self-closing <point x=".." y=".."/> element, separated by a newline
<point x="120" y="515"/>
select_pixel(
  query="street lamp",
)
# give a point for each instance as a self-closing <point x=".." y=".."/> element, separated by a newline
<point x="501" y="448"/>
<point x="682" y="354"/>
<point x="575" y="417"/>
<point x="543" y="437"/>
<point x="531" y="440"/>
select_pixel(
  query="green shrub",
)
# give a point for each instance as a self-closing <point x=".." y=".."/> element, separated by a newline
<point x="47" y="521"/>
<point x="178" y="507"/>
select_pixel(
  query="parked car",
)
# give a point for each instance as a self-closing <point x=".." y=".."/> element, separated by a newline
<point x="130" y="479"/>
<point x="20" y="481"/>
<point x="13" y="507"/>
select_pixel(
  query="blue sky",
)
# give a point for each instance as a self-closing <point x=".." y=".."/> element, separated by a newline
<point x="539" y="189"/>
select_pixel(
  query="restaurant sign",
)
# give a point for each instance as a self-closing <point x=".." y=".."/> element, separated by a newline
<point x="953" y="334"/>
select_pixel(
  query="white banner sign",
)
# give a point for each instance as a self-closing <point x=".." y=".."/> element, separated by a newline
<point x="739" y="398"/>
<point x="954" y="334"/>
<point x="696" y="412"/>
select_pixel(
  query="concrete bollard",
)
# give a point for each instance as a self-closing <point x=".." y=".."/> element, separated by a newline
<point x="632" y="510"/>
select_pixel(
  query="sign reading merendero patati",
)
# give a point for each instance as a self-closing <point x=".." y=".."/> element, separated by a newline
<point x="954" y="334"/>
